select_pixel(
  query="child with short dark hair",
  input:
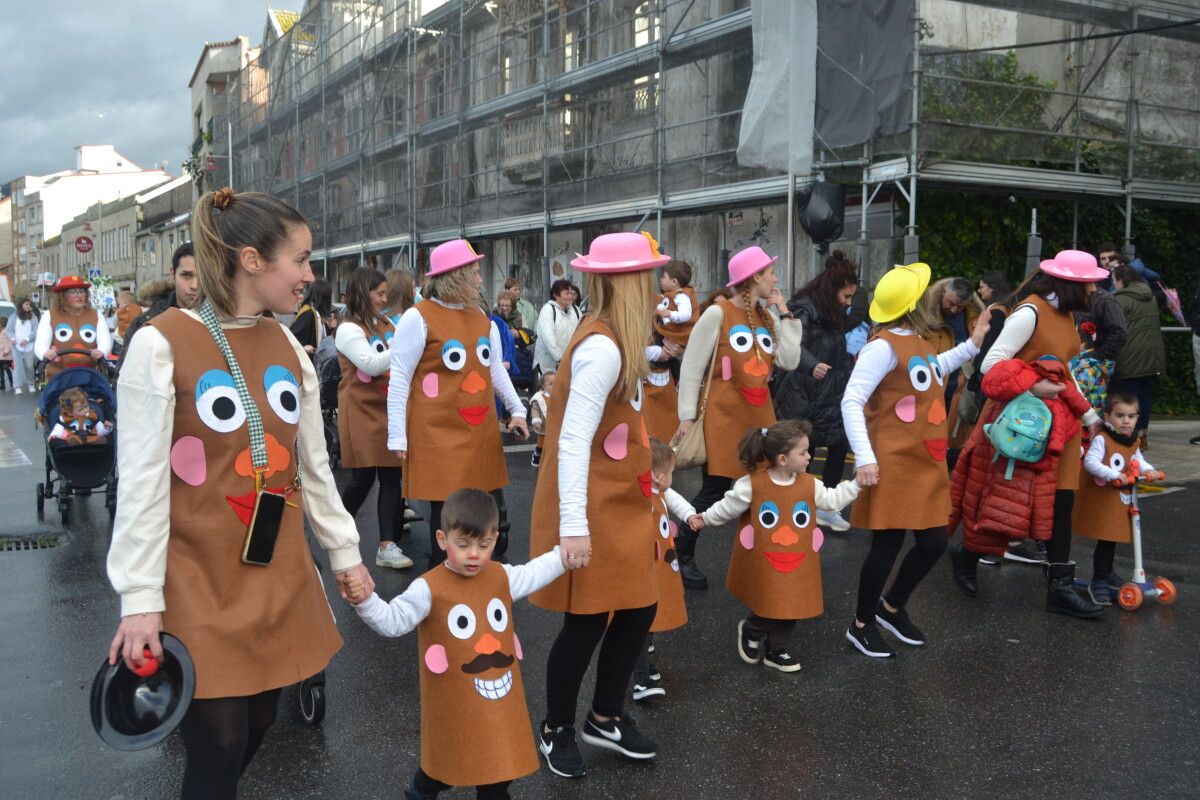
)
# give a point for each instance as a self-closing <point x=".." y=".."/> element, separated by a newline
<point x="78" y="422"/>
<point x="1102" y="509"/>
<point x="539" y="411"/>
<point x="672" y="611"/>
<point x="775" y="568"/>
<point x="475" y="728"/>
<point x="677" y="310"/>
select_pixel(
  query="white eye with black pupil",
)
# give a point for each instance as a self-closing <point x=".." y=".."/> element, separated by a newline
<point x="461" y="621"/>
<point x="497" y="614"/>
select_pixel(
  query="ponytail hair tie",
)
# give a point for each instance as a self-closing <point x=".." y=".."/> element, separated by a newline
<point x="764" y="432"/>
<point x="222" y="198"/>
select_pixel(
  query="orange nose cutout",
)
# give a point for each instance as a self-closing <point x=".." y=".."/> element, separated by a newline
<point x="473" y="384"/>
<point x="937" y="413"/>
<point x="756" y="367"/>
<point x="487" y="645"/>
<point x="785" y="537"/>
<point x="277" y="459"/>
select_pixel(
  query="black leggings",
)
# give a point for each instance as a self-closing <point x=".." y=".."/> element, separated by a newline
<point x="220" y="736"/>
<point x="437" y="555"/>
<point x="712" y="489"/>
<point x="929" y="545"/>
<point x="426" y="788"/>
<point x="835" y="465"/>
<point x="390" y="503"/>
<point x="571" y="653"/>
<point x="1102" y="559"/>
<point x="6" y="374"/>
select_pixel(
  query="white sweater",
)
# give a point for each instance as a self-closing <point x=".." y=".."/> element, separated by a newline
<point x="738" y="498"/>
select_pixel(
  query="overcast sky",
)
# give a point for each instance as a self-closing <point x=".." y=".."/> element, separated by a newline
<point x="77" y="72"/>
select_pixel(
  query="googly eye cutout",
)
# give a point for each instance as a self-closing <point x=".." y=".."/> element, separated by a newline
<point x="387" y="336"/>
<point x="497" y="614"/>
<point x="377" y="344"/>
<point x="283" y="393"/>
<point x="801" y="514"/>
<point x="454" y="355"/>
<point x="217" y="402"/>
<point x="919" y="374"/>
<point x="664" y="526"/>
<point x="461" y="621"/>
<point x="483" y="350"/>
<point x="1117" y="462"/>
<point x="87" y="333"/>
<point x="937" y="371"/>
<point x="636" y="402"/>
<point x="740" y="338"/>
<point x="768" y="514"/>
<point x="664" y="304"/>
<point x="765" y="340"/>
<point x="63" y="332"/>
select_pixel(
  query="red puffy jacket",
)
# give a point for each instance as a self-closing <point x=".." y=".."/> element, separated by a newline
<point x="993" y="510"/>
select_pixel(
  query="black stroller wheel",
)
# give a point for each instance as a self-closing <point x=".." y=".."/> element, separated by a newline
<point x="312" y="699"/>
<point x="65" y="508"/>
<point x="41" y="500"/>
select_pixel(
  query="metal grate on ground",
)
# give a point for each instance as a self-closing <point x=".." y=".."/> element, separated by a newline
<point x="14" y="544"/>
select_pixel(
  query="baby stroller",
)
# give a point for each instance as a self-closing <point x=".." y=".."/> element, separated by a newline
<point x="75" y="470"/>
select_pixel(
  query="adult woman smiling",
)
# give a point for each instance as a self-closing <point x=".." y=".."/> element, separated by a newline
<point x="71" y="325"/>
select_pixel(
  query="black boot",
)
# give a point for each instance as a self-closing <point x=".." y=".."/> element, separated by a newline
<point x="964" y="567"/>
<point x="693" y="578"/>
<point x="1061" y="597"/>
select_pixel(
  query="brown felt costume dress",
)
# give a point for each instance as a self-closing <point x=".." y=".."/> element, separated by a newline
<point x="774" y="569"/>
<point x="677" y="332"/>
<point x="1102" y="510"/>
<point x="475" y="725"/>
<point x="739" y="398"/>
<point x="362" y="409"/>
<point x="72" y="332"/>
<point x="906" y="423"/>
<point x="453" y="432"/>
<point x="249" y="628"/>
<point x="672" y="610"/>
<point x="661" y="409"/>
<point x="621" y="572"/>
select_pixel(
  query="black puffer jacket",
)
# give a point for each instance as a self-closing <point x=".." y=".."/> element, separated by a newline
<point x="798" y="395"/>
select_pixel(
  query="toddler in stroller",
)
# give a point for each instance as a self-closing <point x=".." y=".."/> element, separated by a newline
<point x="78" y="422"/>
<point x="75" y="469"/>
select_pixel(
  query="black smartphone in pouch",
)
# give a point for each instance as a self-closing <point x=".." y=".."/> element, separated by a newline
<point x="264" y="529"/>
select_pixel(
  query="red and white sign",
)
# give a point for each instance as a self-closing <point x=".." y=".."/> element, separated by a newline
<point x="83" y="244"/>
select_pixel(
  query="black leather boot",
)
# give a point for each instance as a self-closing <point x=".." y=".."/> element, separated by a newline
<point x="1061" y="597"/>
<point x="693" y="578"/>
<point x="964" y="568"/>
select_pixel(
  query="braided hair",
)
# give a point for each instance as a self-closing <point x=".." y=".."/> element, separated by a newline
<point x="753" y="312"/>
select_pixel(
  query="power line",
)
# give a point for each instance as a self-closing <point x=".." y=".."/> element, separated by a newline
<point x="1068" y="40"/>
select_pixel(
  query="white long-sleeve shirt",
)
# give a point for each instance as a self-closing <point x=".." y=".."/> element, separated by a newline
<point x="408" y="343"/>
<point x="352" y="342"/>
<point x="408" y="610"/>
<point x="676" y="505"/>
<point x="683" y="309"/>
<point x="1094" y="462"/>
<point x="45" y="337"/>
<point x="23" y="330"/>
<point x="738" y="498"/>
<point x="137" y="557"/>
<point x="595" y="367"/>
<point x="875" y="361"/>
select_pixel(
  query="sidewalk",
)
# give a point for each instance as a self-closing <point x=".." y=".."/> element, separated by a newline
<point x="1169" y="449"/>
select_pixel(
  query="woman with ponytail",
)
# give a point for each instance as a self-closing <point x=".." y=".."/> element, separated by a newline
<point x="742" y="338"/>
<point x="219" y="406"/>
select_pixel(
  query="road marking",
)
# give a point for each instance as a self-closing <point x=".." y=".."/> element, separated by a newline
<point x="1157" y="492"/>
<point x="10" y="454"/>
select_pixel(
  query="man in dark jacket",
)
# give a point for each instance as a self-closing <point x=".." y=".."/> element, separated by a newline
<point x="182" y="292"/>
<point x="1144" y="356"/>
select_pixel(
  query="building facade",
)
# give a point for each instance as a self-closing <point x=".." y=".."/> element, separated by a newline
<point x="165" y="224"/>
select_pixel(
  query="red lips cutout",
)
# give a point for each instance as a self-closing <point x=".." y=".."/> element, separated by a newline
<point x="473" y="414"/>
<point x="755" y="397"/>
<point x="646" y="483"/>
<point x="936" y="448"/>
<point x="243" y="505"/>
<point x="784" y="562"/>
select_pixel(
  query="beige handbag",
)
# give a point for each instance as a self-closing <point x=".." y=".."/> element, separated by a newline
<point x="689" y="448"/>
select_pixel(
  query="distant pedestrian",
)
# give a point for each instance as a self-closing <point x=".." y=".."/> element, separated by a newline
<point x="308" y="326"/>
<point x="6" y="356"/>
<point x="22" y="330"/>
<point x="555" y="324"/>
<point x="528" y="314"/>
<point x="1144" y="357"/>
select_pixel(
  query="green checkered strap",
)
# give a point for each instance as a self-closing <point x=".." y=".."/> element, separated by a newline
<point x="258" y="439"/>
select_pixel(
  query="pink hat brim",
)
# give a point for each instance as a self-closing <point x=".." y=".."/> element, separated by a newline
<point x="584" y="264"/>
<point x="1073" y="274"/>
<point x="434" y="273"/>
<point x="751" y="273"/>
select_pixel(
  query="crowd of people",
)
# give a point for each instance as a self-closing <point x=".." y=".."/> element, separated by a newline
<point x="622" y="383"/>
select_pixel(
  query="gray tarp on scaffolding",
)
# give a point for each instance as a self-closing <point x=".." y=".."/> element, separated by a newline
<point x="777" y="119"/>
<point x="864" y="64"/>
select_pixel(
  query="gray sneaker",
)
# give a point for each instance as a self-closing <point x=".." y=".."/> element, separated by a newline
<point x="392" y="556"/>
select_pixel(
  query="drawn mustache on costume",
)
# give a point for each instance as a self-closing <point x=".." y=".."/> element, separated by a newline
<point x="486" y="661"/>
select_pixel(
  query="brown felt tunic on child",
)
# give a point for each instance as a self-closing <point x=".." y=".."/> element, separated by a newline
<point x="661" y="405"/>
<point x="248" y="628"/>
<point x="621" y="572"/>
<point x="739" y="398"/>
<point x="453" y="432"/>
<point x="672" y="610"/>
<point x="72" y="332"/>
<point x="774" y="569"/>
<point x="362" y="409"/>
<point x="475" y="725"/>
<point x="906" y="423"/>
<point x="677" y="332"/>
<point x="1102" y="510"/>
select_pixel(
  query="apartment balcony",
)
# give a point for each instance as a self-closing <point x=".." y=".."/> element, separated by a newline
<point x="525" y="140"/>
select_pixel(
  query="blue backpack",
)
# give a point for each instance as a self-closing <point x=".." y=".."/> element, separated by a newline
<point x="1021" y="431"/>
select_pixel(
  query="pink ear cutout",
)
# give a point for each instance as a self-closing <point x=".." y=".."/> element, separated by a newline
<point x="187" y="460"/>
<point x="616" y="444"/>
<point x="657" y="551"/>
<point x="818" y="539"/>
<point x="726" y="369"/>
<point x="429" y="385"/>
<point x="435" y="659"/>
<point x="674" y="528"/>
<point x="746" y="537"/>
<point x="362" y="376"/>
<point x="906" y="409"/>
<point x="517" y="647"/>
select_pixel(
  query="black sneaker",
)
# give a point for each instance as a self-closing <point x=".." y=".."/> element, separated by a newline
<point x="561" y="752"/>
<point x="1099" y="592"/>
<point x="692" y="577"/>
<point x="750" y="650"/>
<point x="1025" y="552"/>
<point x="781" y="660"/>
<point x="653" y="672"/>
<point x="1114" y="581"/>
<point x="990" y="560"/>
<point x="651" y="688"/>
<point x="535" y="460"/>
<point x="620" y="735"/>
<point x="869" y="641"/>
<point x="899" y="624"/>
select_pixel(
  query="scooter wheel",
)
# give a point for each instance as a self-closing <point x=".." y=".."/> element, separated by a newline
<point x="1166" y="591"/>
<point x="1130" y="597"/>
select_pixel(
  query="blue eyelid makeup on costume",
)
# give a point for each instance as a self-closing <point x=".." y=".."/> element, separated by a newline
<point x="276" y="373"/>
<point x="212" y="379"/>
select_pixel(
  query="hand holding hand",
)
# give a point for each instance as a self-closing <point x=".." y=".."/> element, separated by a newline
<point x="820" y="371"/>
<point x="672" y="349"/>
<point x="575" y="551"/>
<point x="51" y="354"/>
<point x="135" y="633"/>
<point x="519" y="427"/>
<point x="1047" y="389"/>
<point x="868" y="475"/>
<point x="695" y="522"/>
<point x="1095" y="428"/>
<point x="359" y="577"/>
<point x="663" y="313"/>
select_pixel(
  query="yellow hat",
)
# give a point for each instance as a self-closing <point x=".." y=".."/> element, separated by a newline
<point x="899" y="291"/>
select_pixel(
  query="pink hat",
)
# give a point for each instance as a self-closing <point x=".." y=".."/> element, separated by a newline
<point x="620" y="252"/>
<point x="450" y="256"/>
<point x="1074" y="265"/>
<point x="746" y="263"/>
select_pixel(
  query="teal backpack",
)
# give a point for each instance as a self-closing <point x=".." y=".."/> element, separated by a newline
<point x="1021" y="431"/>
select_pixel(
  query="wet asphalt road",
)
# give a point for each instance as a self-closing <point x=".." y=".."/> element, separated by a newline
<point x="1005" y="702"/>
